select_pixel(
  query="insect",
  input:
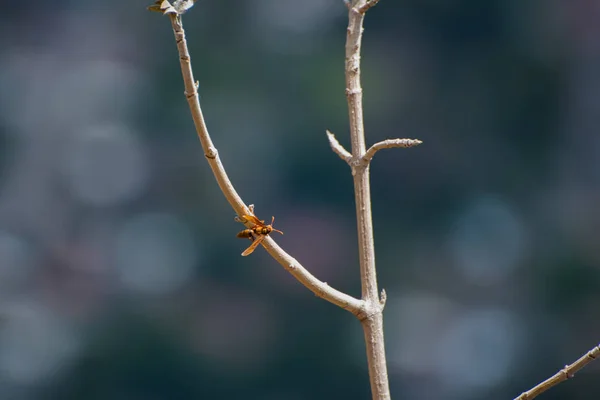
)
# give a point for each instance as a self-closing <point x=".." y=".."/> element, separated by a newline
<point x="257" y="233"/>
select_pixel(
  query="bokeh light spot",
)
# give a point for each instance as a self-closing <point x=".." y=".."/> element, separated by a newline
<point x="106" y="165"/>
<point x="155" y="253"/>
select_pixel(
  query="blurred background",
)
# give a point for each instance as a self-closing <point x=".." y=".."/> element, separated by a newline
<point x="120" y="273"/>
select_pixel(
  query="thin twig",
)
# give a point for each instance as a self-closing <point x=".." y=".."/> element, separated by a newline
<point x="373" y="323"/>
<point x="338" y="148"/>
<point x="320" y="289"/>
<point x="567" y="372"/>
<point x="388" y="144"/>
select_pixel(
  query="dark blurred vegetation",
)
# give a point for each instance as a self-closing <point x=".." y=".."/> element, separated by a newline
<point x="120" y="274"/>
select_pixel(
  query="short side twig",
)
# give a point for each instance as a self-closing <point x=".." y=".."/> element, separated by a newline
<point x="338" y="148"/>
<point x="388" y="144"/>
<point x="319" y="288"/>
<point x="567" y="372"/>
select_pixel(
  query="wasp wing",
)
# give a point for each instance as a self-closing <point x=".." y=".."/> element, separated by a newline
<point x="253" y="246"/>
<point x="253" y="219"/>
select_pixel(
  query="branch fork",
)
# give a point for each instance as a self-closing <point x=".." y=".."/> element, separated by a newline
<point x="368" y="155"/>
<point x="369" y="308"/>
<point x="319" y="288"/>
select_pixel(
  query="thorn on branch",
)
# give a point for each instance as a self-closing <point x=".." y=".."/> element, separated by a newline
<point x="388" y="144"/>
<point x="338" y="148"/>
<point x="382" y="299"/>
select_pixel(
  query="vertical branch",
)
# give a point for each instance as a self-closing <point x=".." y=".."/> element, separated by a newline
<point x="373" y="322"/>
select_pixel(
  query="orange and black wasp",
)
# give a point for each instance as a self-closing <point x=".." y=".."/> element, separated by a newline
<point x="257" y="233"/>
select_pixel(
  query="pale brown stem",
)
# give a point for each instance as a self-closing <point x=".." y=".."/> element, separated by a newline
<point x="389" y="144"/>
<point x="567" y="372"/>
<point x="319" y="288"/>
<point x="372" y="323"/>
<point x="338" y="148"/>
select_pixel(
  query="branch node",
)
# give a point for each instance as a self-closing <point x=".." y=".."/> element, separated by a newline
<point x="566" y="373"/>
<point x="368" y="4"/>
<point x="338" y="148"/>
<point x="369" y="309"/>
<point x="353" y="92"/>
<point x="193" y="93"/>
<point x="163" y="7"/>
<point x="177" y="8"/>
<point x="211" y="153"/>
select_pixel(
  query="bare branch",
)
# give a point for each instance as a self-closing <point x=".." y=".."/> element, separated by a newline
<point x="373" y="323"/>
<point x="320" y="289"/>
<point x="567" y="372"/>
<point x="388" y="144"/>
<point x="338" y="148"/>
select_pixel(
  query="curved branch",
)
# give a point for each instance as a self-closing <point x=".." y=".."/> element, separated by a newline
<point x="388" y="144"/>
<point x="567" y="372"/>
<point x="338" y="148"/>
<point x="320" y="289"/>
